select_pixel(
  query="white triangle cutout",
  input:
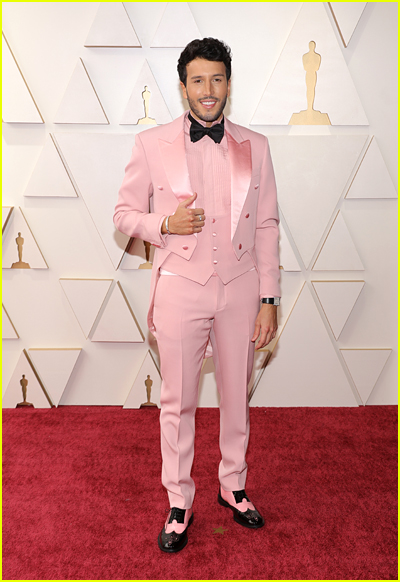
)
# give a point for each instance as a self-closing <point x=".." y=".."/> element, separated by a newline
<point x="135" y="109"/>
<point x="135" y="256"/>
<point x="150" y="374"/>
<point x="337" y="299"/>
<point x="6" y="215"/>
<point x="49" y="177"/>
<point x="95" y="162"/>
<point x="347" y="15"/>
<point x="335" y="93"/>
<point x="8" y="329"/>
<point x="177" y="26"/>
<point x="18" y="105"/>
<point x="118" y="322"/>
<point x="86" y="296"/>
<point x="35" y="393"/>
<point x="306" y="372"/>
<point x="287" y="258"/>
<point x="80" y="103"/>
<point x="365" y="367"/>
<point x="55" y="366"/>
<point x="311" y="175"/>
<point x="112" y="27"/>
<point x="339" y="252"/>
<point x="31" y="254"/>
<point x="372" y="179"/>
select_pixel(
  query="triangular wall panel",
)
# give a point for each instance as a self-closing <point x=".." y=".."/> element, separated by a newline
<point x="148" y="375"/>
<point x="372" y="179"/>
<point x="177" y="26"/>
<point x="347" y="15"/>
<point x="97" y="162"/>
<point x="311" y="174"/>
<point x="80" y="103"/>
<point x="7" y="326"/>
<point x="365" y="367"/>
<point x="135" y="256"/>
<point x="112" y="27"/>
<point x="335" y="93"/>
<point x="287" y="258"/>
<point x="118" y="322"/>
<point x="36" y="394"/>
<point x="18" y="105"/>
<point x="337" y="299"/>
<point x="306" y="372"/>
<point x="55" y="365"/>
<point x="146" y="89"/>
<point x="6" y="215"/>
<point x="50" y="177"/>
<point x="86" y="296"/>
<point x="339" y="252"/>
<point x="20" y="249"/>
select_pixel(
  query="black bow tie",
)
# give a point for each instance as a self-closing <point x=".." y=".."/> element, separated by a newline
<point x="197" y="131"/>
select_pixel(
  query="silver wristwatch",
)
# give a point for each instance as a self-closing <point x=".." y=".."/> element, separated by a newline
<point x="271" y="300"/>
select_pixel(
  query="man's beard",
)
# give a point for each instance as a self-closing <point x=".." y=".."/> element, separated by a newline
<point x="210" y="116"/>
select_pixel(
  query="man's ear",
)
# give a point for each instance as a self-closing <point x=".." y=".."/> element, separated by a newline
<point x="184" y="92"/>
<point x="229" y="88"/>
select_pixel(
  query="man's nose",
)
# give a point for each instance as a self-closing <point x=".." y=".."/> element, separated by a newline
<point x="207" y="87"/>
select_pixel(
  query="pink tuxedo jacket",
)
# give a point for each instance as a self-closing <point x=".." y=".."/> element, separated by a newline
<point x="157" y="179"/>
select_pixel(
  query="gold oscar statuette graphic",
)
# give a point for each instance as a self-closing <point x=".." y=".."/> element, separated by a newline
<point x="146" y="100"/>
<point x="147" y="264"/>
<point x="148" y="383"/>
<point x="24" y="386"/>
<point x="20" y="264"/>
<point x="311" y="64"/>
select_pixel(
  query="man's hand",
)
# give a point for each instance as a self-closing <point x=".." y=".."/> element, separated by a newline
<point x="266" y="324"/>
<point x="185" y="220"/>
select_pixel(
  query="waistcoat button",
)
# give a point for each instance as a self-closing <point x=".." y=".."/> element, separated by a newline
<point x="160" y="187"/>
<point x="247" y="215"/>
<point x="256" y="186"/>
<point x="214" y="248"/>
<point x="240" y="246"/>
<point x="215" y="262"/>
<point x="213" y="219"/>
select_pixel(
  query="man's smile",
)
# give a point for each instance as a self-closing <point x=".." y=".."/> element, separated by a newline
<point x="209" y="104"/>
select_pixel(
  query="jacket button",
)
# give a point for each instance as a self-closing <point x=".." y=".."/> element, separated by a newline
<point x="160" y="187"/>
<point x="247" y="215"/>
<point x="185" y="248"/>
<point x="256" y="186"/>
<point x="240" y="246"/>
<point x="213" y="219"/>
<point x="215" y="262"/>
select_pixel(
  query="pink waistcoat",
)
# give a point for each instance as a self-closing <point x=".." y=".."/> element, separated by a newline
<point x="209" y="173"/>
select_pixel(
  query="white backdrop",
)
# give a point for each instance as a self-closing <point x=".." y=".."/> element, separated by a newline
<point x="310" y="364"/>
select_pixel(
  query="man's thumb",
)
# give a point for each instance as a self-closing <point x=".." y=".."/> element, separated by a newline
<point x="189" y="200"/>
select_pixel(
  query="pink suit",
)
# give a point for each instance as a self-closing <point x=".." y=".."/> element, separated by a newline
<point x="214" y="298"/>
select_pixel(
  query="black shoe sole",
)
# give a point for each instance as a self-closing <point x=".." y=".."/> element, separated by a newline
<point x="173" y="550"/>
<point x="224" y="503"/>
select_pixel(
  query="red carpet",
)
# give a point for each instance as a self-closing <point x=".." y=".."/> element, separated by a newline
<point x="82" y="497"/>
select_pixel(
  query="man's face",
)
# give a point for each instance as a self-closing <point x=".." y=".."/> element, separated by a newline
<point x="207" y="89"/>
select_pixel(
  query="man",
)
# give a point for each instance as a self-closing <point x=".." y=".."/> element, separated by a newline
<point x="214" y="221"/>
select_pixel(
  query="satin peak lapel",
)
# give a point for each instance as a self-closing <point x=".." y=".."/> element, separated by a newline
<point x="173" y="156"/>
<point x="240" y="163"/>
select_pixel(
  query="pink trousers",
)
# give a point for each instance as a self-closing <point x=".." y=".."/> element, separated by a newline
<point x="186" y="316"/>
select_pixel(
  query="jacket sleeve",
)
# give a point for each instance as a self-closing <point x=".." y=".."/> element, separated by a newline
<point x="132" y="212"/>
<point x="267" y="231"/>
